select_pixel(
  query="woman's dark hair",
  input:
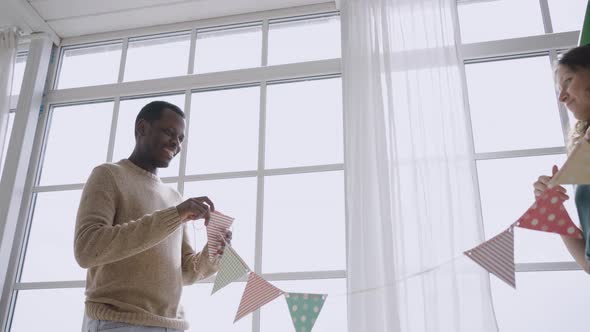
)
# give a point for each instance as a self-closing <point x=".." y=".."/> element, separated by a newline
<point x="576" y="58"/>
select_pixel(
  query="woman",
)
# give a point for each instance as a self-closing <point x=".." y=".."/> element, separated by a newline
<point x="573" y="79"/>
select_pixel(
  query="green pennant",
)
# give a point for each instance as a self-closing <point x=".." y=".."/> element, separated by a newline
<point x="304" y="309"/>
<point x="585" y="33"/>
<point x="231" y="268"/>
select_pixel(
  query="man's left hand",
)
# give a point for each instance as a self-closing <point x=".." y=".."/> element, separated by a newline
<point x="226" y="241"/>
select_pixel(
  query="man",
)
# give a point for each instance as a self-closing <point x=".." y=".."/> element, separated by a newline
<point x="131" y="233"/>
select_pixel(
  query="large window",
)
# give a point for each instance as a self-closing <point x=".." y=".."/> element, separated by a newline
<point x="519" y="132"/>
<point x="264" y="141"/>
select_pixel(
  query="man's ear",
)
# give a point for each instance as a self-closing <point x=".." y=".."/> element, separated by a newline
<point x="141" y="128"/>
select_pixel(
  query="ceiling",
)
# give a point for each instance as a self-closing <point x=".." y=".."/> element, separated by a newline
<point x="71" y="18"/>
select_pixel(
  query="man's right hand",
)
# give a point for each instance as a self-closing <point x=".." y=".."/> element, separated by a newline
<point x="196" y="208"/>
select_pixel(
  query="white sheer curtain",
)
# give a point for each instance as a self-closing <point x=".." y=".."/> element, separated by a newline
<point x="410" y="178"/>
<point x="8" y="49"/>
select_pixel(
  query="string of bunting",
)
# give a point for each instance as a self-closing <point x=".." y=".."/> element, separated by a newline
<point x="546" y="214"/>
<point x="496" y="255"/>
<point x="303" y="307"/>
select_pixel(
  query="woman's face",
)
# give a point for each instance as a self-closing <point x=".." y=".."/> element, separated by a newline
<point x="574" y="90"/>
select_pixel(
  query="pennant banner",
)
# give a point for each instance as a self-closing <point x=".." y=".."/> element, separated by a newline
<point x="548" y="214"/>
<point x="575" y="170"/>
<point x="218" y="225"/>
<point x="258" y="292"/>
<point x="304" y="309"/>
<point x="231" y="268"/>
<point x="497" y="256"/>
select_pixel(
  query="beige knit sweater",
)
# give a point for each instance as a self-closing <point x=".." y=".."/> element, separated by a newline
<point x="130" y="238"/>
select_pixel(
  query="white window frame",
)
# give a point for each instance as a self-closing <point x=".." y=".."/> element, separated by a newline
<point x="259" y="76"/>
<point x="548" y="44"/>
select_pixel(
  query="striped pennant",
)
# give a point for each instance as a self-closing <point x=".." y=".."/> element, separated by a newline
<point x="258" y="292"/>
<point x="497" y="256"/>
<point x="304" y="309"/>
<point x="575" y="170"/>
<point x="548" y="214"/>
<point x="218" y="225"/>
<point x="231" y="268"/>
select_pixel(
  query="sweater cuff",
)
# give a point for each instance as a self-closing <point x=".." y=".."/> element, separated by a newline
<point x="170" y="218"/>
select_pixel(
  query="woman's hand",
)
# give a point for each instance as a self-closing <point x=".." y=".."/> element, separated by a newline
<point x="541" y="185"/>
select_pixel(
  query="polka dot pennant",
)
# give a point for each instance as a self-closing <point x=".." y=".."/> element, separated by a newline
<point x="304" y="309"/>
<point x="548" y="214"/>
<point x="575" y="170"/>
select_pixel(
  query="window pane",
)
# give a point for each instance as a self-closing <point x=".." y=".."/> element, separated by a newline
<point x="81" y="131"/>
<point x="506" y="187"/>
<point x="125" y="137"/>
<point x="19" y="73"/>
<point x="502" y="19"/>
<point x="567" y="15"/>
<point x="224" y="131"/>
<point x="508" y="95"/>
<point x="173" y="185"/>
<point x="544" y="301"/>
<point x="6" y="142"/>
<point x="49" y="310"/>
<point x="90" y="66"/>
<point x="158" y="57"/>
<point x="302" y="213"/>
<point x="275" y="316"/>
<point x="50" y="252"/>
<point x="304" y="40"/>
<point x="206" y="312"/>
<point x="228" y="49"/>
<point x="236" y="198"/>
<point x="304" y="124"/>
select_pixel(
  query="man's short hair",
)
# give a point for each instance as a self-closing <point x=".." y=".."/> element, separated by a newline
<point x="153" y="111"/>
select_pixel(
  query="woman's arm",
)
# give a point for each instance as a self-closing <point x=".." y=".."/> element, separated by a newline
<point x="577" y="249"/>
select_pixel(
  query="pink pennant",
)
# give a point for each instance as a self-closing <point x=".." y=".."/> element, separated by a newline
<point x="548" y="214"/>
<point x="218" y="225"/>
<point x="258" y="292"/>
<point x="497" y="256"/>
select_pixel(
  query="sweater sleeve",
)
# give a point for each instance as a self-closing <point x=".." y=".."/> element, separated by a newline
<point x="97" y="241"/>
<point x="195" y="266"/>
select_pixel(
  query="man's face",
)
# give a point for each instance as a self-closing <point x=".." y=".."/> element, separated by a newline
<point x="161" y="140"/>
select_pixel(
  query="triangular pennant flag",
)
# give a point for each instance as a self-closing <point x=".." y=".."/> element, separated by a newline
<point x="497" y="256"/>
<point x="585" y="33"/>
<point x="304" y="309"/>
<point x="548" y="214"/>
<point x="258" y="292"/>
<point x="231" y="268"/>
<point x="218" y="224"/>
<point x="575" y="170"/>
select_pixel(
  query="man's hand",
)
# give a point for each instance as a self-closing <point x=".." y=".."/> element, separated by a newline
<point x="196" y="208"/>
<point x="226" y="241"/>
